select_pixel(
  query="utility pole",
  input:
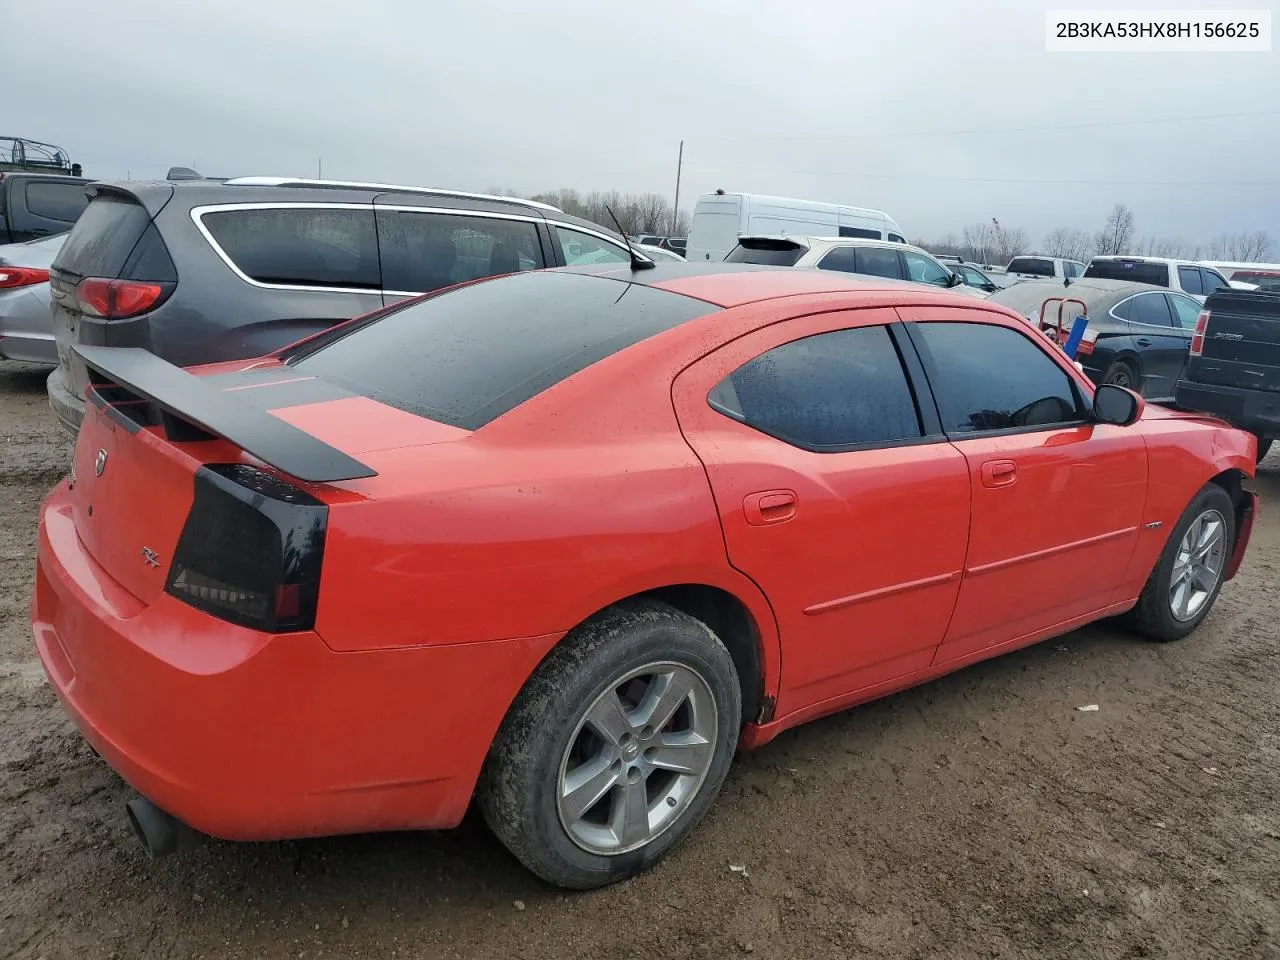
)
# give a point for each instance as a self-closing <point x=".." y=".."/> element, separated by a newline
<point x="320" y="168"/>
<point x="675" y="210"/>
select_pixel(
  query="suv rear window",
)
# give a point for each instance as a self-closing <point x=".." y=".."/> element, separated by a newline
<point x="300" y="246"/>
<point x="471" y="354"/>
<point x="56" y="201"/>
<point x="1136" y="270"/>
<point x="772" y="253"/>
<point x="1035" y="266"/>
<point x="103" y="237"/>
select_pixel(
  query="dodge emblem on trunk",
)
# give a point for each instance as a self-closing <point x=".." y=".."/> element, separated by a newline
<point x="100" y="463"/>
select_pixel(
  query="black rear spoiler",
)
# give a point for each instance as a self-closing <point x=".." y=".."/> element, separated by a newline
<point x="189" y="408"/>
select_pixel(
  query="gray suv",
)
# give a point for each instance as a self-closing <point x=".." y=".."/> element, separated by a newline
<point x="199" y="271"/>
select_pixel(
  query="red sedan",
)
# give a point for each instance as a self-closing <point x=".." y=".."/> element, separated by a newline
<point x="562" y="541"/>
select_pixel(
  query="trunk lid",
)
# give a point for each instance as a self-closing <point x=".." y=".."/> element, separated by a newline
<point x="1241" y="341"/>
<point x="130" y="494"/>
<point x="151" y="429"/>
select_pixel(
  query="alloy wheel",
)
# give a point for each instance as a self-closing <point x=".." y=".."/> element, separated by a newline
<point x="1197" y="565"/>
<point x="637" y="758"/>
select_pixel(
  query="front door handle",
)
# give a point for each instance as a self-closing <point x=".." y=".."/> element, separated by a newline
<point x="769" y="506"/>
<point x="999" y="473"/>
<point x="1144" y="341"/>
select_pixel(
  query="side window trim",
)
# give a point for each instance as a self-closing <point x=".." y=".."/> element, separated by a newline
<point x="930" y="373"/>
<point x="921" y="390"/>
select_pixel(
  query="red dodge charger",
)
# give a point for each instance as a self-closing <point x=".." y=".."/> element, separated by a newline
<point x="562" y="541"/>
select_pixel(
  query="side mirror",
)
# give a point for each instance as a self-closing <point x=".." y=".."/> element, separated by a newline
<point x="990" y="287"/>
<point x="954" y="280"/>
<point x="1117" y="405"/>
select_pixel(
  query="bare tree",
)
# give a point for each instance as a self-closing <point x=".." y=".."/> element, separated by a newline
<point x="1248" y="246"/>
<point x="979" y="242"/>
<point x="1160" y="246"/>
<point x="1010" y="243"/>
<point x="1069" y="243"/>
<point x="1118" y="233"/>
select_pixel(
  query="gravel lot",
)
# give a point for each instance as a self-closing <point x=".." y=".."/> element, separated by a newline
<point x="981" y="815"/>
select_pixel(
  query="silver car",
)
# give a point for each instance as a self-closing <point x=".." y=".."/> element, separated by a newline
<point x="26" y="317"/>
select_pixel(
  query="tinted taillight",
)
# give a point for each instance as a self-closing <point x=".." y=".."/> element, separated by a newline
<point x="251" y="550"/>
<point x="117" y="299"/>
<point x="1197" y="337"/>
<point x="11" y="277"/>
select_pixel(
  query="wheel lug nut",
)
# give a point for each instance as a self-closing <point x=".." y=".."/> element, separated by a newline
<point x="633" y="775"/>
<point x="646" y="733"/>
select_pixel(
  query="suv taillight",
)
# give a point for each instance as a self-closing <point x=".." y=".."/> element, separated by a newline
<point x="13" y="277"/>
<point x="251" y="550"/>
<point x="117" y="299"/>
<point x="1197" y="336"/>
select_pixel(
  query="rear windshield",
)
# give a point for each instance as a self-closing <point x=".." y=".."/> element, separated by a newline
<point x="1035" y="266"/>
<point x="780" y="254"/>
<point x="103" y="237"/>
<point x="470" y="354"/>
<point x="1135" y="270"/>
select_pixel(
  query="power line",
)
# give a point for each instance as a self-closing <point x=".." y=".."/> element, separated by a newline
<point x="852" y="174"/>
<point x="1038" y="128"/>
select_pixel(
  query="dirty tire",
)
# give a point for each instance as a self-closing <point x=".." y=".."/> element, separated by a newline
<point x="518" y="787"/>
<point x="1122" y="374"/>
<point x="1152" y="617"/>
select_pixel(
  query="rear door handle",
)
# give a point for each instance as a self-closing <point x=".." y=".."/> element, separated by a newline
<point x="769" y="506"/>
<point x="1144" y="341"/>
<point x="999" y="473"/>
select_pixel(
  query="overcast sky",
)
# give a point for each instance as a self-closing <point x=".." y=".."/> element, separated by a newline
<point x="911" y="106"/>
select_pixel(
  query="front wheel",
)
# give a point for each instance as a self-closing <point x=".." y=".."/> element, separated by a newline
<point x="1188" y="576"/>
<point x="615" y="748"/>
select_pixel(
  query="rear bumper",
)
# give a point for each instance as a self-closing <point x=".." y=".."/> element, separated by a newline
<point x="67" y="406"/>
<point x="248" y="736"/>
<point x="1257" y="411"/>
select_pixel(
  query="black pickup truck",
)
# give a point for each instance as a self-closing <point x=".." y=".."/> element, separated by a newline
<point x="1233" y="371"/>
<point x="34" y="205"/>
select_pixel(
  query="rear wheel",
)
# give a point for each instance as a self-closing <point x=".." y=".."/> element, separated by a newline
<point x="615" y="747"/>
<point x="1122" y="374"/>
<point x="1186" y="580"/>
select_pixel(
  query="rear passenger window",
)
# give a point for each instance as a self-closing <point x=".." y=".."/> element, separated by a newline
<point x="300" y="246"/>
<point x="422" y="252"/>
<point x="1189" y="280"/>
<point x="879" y="262"/>
<point x="824" y="393"/>
<point x="57" y="201"/>
<point x="841" y="258"/>
<point x="987" y="377"/>
<point x="1151" y="309"/>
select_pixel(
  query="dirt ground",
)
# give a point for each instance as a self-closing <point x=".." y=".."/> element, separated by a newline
<point x="981" y="815"/>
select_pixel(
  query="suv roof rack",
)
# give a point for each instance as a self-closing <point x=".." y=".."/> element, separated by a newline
<point x="391" y="187"/>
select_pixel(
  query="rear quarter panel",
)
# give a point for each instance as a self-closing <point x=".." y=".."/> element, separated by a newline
<point x="582" y="496"/>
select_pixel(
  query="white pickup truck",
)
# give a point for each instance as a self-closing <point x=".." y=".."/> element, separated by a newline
<point x="1039" y="268"/>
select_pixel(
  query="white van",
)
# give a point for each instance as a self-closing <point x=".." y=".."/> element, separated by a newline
<point x="720" y="218"/>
